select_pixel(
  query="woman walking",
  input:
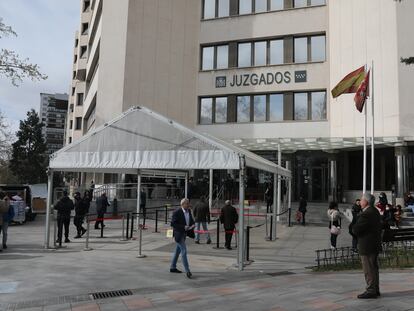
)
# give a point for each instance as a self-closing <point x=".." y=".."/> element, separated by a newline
<point x="334" y="222"/>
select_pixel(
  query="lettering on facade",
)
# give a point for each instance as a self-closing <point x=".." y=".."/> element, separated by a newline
<point x="221" y="81"/>
<point x="301" y="76"/>
<point x="253" y="79"/>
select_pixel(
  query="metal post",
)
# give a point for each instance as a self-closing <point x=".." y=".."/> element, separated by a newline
<point x="138" y="199"/>
<point x="248" y="243"/>
<point x="373" y="130"/>
<point x="186" y="186"/>
<point x="123" y="229"/>
<point x="127" y="227"/>
<point x="140" y="255"/>
<point x="54" y="230"/>
<point x="241" y="214"/>
<point x="87" y="248"/>
<point x="279" y="185"/>
<point x="156" y="221"/>
<point x="132" y="226"/>
<point x="218" y="234"/>
<point x="48" y="207"/>
<point x="273" y="233"/>
<point x="102" y="226"/>
<point x="271" y="228"/>
<point x="289" y="220"/>
<point x="210" y="189"/>
<point x="166" y="213"/>
<point x="290" y="196"/>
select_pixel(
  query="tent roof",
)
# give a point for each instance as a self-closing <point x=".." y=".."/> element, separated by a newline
<point x="143" y="139"/>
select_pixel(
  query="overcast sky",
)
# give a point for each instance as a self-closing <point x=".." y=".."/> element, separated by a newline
<point x="45" y="31"/>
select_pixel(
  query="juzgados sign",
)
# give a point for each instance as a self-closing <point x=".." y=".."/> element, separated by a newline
<point x="253" y="79"/>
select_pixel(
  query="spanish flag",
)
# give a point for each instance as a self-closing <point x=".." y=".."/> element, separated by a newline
<point x="362" y="93"/>
<point x="350" y="83"/>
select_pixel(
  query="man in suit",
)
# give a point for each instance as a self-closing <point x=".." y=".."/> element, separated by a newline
<point x="229" y="218"/>
<point x="183" y="225"/>
<point x="367" y="229"/>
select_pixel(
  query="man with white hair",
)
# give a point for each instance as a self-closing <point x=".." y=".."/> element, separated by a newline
<point x="183" y="225"/>
<point x="368" y="231"/>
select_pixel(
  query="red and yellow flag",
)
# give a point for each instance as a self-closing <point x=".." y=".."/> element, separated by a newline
<point x="362" y="93"/>
<point x="350" y="83"/>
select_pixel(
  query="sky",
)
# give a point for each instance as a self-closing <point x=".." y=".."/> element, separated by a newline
<point x="46" y="35"/>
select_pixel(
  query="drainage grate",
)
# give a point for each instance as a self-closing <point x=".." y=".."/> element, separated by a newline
<point x="280" y="273"/>
<point x="111" y="294"/>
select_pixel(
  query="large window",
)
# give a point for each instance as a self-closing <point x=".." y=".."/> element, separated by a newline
<point x="260" y="6"/>
<point x="79" y="99"/>
<point x="215" y="57"/>
<point x="259" y="108"/>
<point x="276" y="52"/>
<point x="208" y="58"/>
<point x="318" y="48"/>
<point x="206" y="111"/>
<point x="301" y="50"/>
<point x="245" y="7"/>
<point x="245" y="54"/>
<point x="209" y="9"/>
<point x="276" y="107"/>
<point x="216" y="8"/>
<point x="223" y="8"/>
<point x="318" y="106"/>
<point x="222" y="57"/>
<point x="276" y="5"/>
<point x="221" y="110"/>
<point x="301" y="106"/>
<point x="78" y="123"/>
<point x="260" y="52"/>
<point x="243" y="109"/>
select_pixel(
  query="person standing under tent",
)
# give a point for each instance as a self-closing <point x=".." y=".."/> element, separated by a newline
<point x="80" y="212"/>
<point x="64" y="207"/>
<point x="302" y="209"/>
<point x="102" y="204"/>
<point x="229" y="218"/>
<point x="202" y="217"/>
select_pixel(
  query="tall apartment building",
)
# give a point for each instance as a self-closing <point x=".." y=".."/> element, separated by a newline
<point x="52" y="112"/>
<point x="257" y="73"/>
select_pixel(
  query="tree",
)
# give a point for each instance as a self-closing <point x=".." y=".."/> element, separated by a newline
<point x="29" y="161"/>
<point x="11" y="66"/>
<point x="5" y="141"/>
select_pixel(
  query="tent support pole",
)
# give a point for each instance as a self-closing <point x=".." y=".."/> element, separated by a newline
<point x="210" y="189"/>
<point x="186" y="186"/>
<point x="275" y="208"/>
<point x="48" y="207"/>
<point x="138" y="198"/>
<point x="279" y="183"/>
<point x="241" y="244"/>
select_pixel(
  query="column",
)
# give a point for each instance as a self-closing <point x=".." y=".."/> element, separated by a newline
<point x="210" y="189"/>
<point x="241" y="244"/>
<point x="401" y="167"/>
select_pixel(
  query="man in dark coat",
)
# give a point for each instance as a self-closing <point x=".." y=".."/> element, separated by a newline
<point x="101" y="207"/>
<point x="182" y="223"/>
<point x="356" y="209"/>
<point x="368" y="231"/>
<point x="229" y="218"/>
<point x="202" y="217"/>
<point x="302" y="209"/>
<point x="80" y="212"/>
<point x="64" y="207"/>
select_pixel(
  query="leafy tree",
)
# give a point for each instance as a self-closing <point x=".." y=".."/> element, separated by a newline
<point x="12" y="66"/>
<point x="29" y="161"/>
<point x="5" y="141"/>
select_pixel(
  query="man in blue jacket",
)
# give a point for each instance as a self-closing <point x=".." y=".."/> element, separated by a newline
<point x="183" y="225"/>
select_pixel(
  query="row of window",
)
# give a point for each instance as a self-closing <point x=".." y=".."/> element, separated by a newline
<point x="278" y="107"/>
<point x="78" y="123"/>
<point x="264" y="52"/>
<point x="225" y="8"/>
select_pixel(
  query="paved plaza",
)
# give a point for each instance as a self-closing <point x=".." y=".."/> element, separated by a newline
<point x="278" y="279"/>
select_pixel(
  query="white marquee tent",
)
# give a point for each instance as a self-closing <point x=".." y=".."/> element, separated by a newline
<point x="141" y="139"/>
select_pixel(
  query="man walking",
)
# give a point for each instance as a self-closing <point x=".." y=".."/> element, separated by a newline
<point x="302" y="209"/>
<point x="183" y="225"/>
<point x="80" y="212"/>
<point x="368" y="231"/>
<point x="101" y="207"/>
<point x="202" y="217"/>
<point x="229" y="218"/>
<point x="64" y="207"/>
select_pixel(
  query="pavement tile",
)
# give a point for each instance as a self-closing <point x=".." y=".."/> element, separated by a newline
<point x="261" y="284"/>
<point x="61" y="307"/>
<point x="277" y="308"/>
<point x="224" y="291"/>
<point x="86" y="307"/>
<point x="183" y="296"/>
<point x="323" y="304"/>
<point x="138" y="303"/>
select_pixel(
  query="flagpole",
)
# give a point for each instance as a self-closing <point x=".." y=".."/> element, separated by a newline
<point x="373" y="136"/>
<point x="364" y="174"/>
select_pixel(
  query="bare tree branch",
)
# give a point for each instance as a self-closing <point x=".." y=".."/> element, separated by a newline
<point x="6" y="30"/>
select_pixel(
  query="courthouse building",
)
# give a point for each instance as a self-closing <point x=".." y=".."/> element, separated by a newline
<point x="258" y="74"/>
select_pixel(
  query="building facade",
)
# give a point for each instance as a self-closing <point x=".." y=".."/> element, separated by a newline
<point x="52" y="112"/>
<point x="258" y="73"/>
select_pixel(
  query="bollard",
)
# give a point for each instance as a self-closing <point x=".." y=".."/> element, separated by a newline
<point x="123" y="229"/>
<point x="102" y="226"/>
<point x="166" y="213"/>
<point x="218" y="234"/>
<point x="87" y="248"/>
<point x="127" y="226"/>
<point x="266" y="226"/>
<point x="271" y="228"/>
<point x="290" y="214"/>
<point x="132" y="226"/>
<point x="248" y="243"/>
<point x="140" y="255"/>
<point x="156" y="221"/>
<point x="54" y="231"/>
